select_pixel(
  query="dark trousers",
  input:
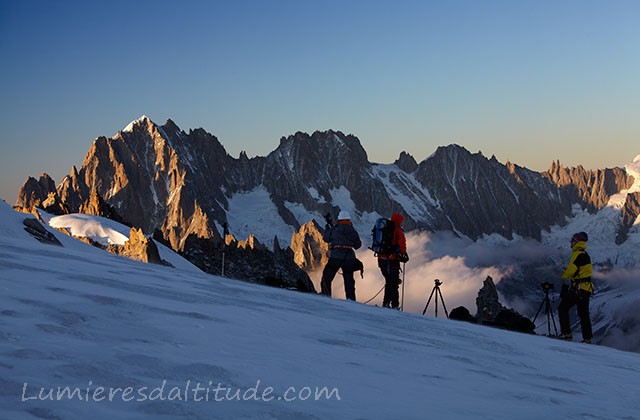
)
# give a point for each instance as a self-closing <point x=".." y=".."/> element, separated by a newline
<point x="390" y="270"/>
<point x="330" y="271"/>
<point x="581" y="299"/>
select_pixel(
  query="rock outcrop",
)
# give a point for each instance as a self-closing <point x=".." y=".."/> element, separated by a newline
<point x="247" y="260"/>
<point x="492" y="313"/>
<point x="138" y="247"/>
<point x="35" y="229"/>
<point x="310" y="251"/>
<point x="488" y="303"/>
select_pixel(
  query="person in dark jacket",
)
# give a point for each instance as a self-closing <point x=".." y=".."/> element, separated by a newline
<point x="343" y="240"/>
<point x="578" y="292"/>
<point x="389" y="263"/>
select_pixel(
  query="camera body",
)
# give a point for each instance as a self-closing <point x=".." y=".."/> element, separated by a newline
<point x="547" y="286"/>
<point x="437" y="282"/>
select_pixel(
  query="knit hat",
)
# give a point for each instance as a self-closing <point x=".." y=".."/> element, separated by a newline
<point x="580" y="237"/>
<point x="344" y="215"/>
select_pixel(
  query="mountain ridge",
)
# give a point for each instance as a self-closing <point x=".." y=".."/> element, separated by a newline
<point x="182" y="186"/>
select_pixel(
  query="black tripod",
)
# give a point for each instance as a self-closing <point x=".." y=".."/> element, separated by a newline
<point x="548" y="310"/>
<point x="437" y="291"/>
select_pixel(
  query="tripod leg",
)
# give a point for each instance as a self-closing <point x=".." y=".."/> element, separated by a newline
<point x="550" y="314"/>
<point x="541" y="305"/>
<point x="443" y="305"/>
<point x="428" y="301"/>
<point x="547" y="307"/>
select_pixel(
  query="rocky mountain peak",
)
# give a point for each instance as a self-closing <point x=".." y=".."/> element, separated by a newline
<point x="480" y="195"/>
<point x="313" y="168"/>
<point x="323" y="146"/>
<point x="142" y="123"/>
<point x="406" y="162"/>
<point x="170" y="126"/>
<point x="46" y="182"/>
<point x="34" y="192"/>
<point x="451" y="150"/>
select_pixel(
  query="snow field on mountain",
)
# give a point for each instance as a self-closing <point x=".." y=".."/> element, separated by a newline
<point x="105" y="231"/>
<point x="76" y="316"/>
<point x="253" y="212"/>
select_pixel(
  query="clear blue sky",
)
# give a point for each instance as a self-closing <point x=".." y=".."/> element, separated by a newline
<point x="528" y="81"/>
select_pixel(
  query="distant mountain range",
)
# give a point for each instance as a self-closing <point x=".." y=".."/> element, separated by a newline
<point x="191" y="195"/>
<point x="185" y="188"/>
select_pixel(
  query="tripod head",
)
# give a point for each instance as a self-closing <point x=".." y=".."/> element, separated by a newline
<point x="437" y="282"/>
<point x="546" y="287"/>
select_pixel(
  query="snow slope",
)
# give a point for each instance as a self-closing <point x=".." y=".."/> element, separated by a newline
<point x="105" y="231"/>
<point x="132" y="337"/>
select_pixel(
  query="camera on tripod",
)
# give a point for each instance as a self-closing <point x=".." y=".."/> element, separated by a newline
<point x="436" y="290"/>
<point x="548" y="309"/>
<point x="547" y="286"/>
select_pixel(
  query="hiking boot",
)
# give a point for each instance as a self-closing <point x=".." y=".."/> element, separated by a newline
<point x="568" y="337"/>
<point x="586" y="341"/>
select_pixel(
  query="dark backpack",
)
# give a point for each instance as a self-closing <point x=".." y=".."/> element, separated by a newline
<point x="382" y="236"/>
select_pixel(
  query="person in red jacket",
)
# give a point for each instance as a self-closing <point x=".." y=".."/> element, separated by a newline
<point x="389" y="264"/>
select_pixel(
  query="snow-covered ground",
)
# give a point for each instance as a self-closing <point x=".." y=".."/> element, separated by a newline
<point x="139" y="341"/>
<point x="105" y="232"/>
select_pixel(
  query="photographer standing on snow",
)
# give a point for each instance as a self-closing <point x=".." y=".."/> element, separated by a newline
<point x="343" y="240"/>
<point x="578" y="292"/>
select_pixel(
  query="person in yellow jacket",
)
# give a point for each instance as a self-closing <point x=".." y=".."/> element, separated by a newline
<point x="578" y="289"/>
